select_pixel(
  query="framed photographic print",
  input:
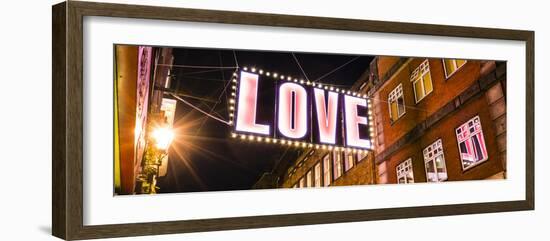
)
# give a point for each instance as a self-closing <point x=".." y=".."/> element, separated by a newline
<point x="171" y="120"/>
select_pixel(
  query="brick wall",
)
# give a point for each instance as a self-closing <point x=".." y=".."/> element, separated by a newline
<point x="476" y="89"/>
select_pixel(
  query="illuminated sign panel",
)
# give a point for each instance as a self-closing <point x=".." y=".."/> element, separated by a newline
<point x="246" y="111"/>
<point x="326" y="110"/>
<point x="273" y="108"/>
<point x="292" y="111"/>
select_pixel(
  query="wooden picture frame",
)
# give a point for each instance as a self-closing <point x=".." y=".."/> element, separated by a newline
<point x="67" y="123"/>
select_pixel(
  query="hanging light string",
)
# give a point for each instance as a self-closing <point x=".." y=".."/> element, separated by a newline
<point x="201" y="111"/>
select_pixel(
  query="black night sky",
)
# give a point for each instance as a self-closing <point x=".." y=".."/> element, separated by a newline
<point x="204" y="157"/>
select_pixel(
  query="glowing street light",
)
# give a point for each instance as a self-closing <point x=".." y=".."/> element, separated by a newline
<point x="163" y="137"/>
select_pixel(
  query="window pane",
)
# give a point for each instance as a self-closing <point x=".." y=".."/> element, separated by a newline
<point x="348" y="164"/>
<point x="440" y="167"/>
<point x="418" y="91"/>
<point x="431" y="175"/>
<point x="477" y="148"/>
<point x="435" y="162"/>
<point x="395" y="98"/>
<point x="410" y="178"/>
<point x="393" y="110"/>
<point x="449" y="66"/>
<point x="309" y="178"/>
<point x="317" y="175"/>
<point x="405" y="172"/>
<point x="472" y="145"/>
<point x="427" y="83"/>
<point x="460" y="62"/>
<point x="401" y="180"/>
<point x="361" y="155"/>
<point x="464" y="156"/>
<point x="326" y="171"/>
<point x="401" y="105"/>
<point x="337" y="164"/>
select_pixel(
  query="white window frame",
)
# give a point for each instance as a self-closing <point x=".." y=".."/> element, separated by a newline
<point x="317" y="174"/>
<point x="402" y="170"/>
<point x="348" y="160"/>
<point x="456" y="67"/>
<point x="394" y="95"/>
<point x="338" y="168"/>
<point x="327" y="170"/>
<point x="361" y="155"/>
<point x="309" y="178"/>
<point x="418" y="75"/>
<point x="431" y="153"/>
<point x="475" y="121"/>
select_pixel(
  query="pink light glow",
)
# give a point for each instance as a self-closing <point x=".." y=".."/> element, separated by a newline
<point x="292" y="127"/>
<point x="246" y="108"/>
<point x="326" y="117"/>
<point x="353" y="120"/>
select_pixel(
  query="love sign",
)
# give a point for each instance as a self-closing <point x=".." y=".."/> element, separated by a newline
<point x="274" y="108"/>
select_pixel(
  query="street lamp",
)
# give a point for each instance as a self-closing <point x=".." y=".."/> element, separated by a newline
<point x="163" y="137"/>
<point x="160" y="138"/>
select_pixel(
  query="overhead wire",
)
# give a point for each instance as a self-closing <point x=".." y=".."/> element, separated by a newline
<point x="336" y="69"/>
<point x="198" y="66"/>
<point x="298" y="62"/>
<point x="200" y="110"/>
<point x="219" y="96"/>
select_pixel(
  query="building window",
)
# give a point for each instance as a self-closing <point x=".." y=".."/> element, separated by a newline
<point x="361" y="155"/>
<point x="434" y="161"/>
<point x="471" y="143"/>
<point x="317" y="174"/>
<point x="348" y="160"/>
<point x="422" y="81"/>
<point x="337" y="164"/>
<point x="396" y="103"/>
<point x="405" y="172"/>
<point x="452" y="65"/>
<point x="326" y="170"/>
<point x="309" y="179"/>
<point x="302" y="182"/>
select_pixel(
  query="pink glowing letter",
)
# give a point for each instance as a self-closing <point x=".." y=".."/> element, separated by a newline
<point x="326" y="117"/>
<point x="292" y="121"/>
<point x="246" y="108"/>
<point x="353" y="120"/>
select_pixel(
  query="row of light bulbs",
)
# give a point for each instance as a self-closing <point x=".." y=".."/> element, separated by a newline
<point x="288" y="78"/>
<point x="301" y="144"/>
<point x="232" y="98"/>
<point x="301" y="81"/>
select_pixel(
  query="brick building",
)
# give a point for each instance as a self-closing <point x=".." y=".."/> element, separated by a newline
<point x="434" y="120"/>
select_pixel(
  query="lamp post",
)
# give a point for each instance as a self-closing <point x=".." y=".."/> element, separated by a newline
<point x="163" y="137"/>
<point x="159" y="139"/>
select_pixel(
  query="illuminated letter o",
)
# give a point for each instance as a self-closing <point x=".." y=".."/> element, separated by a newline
<point x="292" y="110"/>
